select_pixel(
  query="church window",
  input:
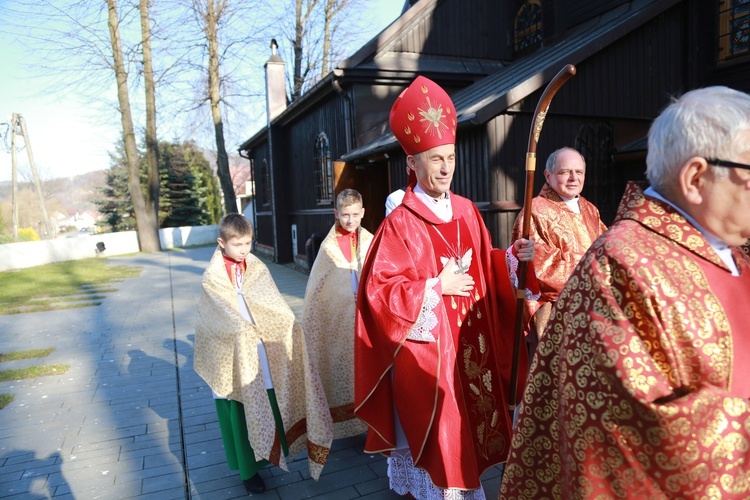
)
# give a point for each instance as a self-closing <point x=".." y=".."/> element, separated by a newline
<point x="734" y="29"/>
<point x="265" y="174"/>
<point x="323" y="170"/>
<point x="527" y="28"/>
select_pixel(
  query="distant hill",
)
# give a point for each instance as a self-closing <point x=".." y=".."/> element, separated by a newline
<point x="73" y="194"/>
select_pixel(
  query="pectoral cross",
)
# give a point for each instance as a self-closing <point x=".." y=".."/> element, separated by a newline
<point x="461" y="268"/>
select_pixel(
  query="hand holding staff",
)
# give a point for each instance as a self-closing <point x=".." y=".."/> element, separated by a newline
<point x="540" y="113"/>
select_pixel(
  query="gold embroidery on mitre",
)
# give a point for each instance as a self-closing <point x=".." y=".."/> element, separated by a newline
<point x="425" y="89"/>
<point x="417" y="139"/>
<point x="407" y="130"/>
<point x="433" y="118"/>
<point x="410" y="116"/>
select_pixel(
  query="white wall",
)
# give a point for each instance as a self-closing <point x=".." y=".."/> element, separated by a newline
<point x="36" y="253"/>
<point x="176" y="237"/>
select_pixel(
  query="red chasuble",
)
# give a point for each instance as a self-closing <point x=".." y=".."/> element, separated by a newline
<point x="450" y="394"/>
<point x="639" y="387"/>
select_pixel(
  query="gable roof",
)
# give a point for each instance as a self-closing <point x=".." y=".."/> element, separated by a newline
<point x="380" y="59"/>
<point x="388" y="53"/>
<point x="482" y="101"/>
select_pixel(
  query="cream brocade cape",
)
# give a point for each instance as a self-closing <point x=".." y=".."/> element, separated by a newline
<point x="328" y="323"/>
<point x="226" y="357"/>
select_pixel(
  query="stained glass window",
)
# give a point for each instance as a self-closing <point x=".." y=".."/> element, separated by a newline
<point x="527" y="29"/>
<point x="734" y="29"/>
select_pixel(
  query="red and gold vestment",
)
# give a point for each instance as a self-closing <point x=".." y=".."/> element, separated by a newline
<point x="638" y="389"/>
<point x="561" y="237"/>
<point x="450" y="393"/>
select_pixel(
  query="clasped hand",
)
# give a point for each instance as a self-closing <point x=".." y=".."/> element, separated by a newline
<point x="455" y="284"/>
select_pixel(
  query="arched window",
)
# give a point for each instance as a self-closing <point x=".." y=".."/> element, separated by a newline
<point x="323" y="170"/>
<point x="527" y="27"/>
<point x="265" y="174"/>
<point x="734" y="29"/>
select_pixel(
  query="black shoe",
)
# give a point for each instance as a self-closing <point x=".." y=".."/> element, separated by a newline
<point x="255" y="484"/>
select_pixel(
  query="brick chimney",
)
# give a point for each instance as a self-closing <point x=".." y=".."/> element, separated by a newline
<point x="275" y="83"/>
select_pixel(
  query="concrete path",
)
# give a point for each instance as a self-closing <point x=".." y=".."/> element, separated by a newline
<point x="130" y="418"/>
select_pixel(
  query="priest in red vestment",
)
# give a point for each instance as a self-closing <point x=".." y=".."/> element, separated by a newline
<point x="563" y="226"/>
<point x="432" y="365"/>
<point x="640" y="386"/>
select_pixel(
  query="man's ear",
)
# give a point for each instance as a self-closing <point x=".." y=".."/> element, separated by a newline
<point x="336" y="214"/>
<point x="220" y="242"/>
<point x="692" y="179"/>
<point x="362" y="213"/>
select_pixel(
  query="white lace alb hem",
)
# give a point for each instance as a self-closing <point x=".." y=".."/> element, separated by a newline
<point x="406" y="478"/>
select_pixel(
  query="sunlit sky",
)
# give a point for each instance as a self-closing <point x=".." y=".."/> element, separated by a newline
<point x="67" y="136"/>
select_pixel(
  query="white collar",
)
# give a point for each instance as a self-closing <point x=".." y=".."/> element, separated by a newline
<point x="571" y="202"/>
<point x="440" y="206"/>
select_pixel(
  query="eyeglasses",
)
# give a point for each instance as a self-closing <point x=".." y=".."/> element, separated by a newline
<point x="724" y="163"/>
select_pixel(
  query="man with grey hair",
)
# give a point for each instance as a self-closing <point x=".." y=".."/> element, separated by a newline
<point x="563" y="226"/>
<point x="641" y="385"/>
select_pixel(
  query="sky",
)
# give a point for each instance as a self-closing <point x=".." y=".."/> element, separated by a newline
<point x="68" y="136"/>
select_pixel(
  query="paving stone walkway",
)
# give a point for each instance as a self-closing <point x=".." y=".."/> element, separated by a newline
<point x="131" y="418"/>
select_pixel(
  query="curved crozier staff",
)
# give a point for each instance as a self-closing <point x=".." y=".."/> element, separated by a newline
<point x="540" y="113"/>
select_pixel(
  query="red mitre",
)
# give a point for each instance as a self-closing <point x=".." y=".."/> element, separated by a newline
<point x="423" y="117"/>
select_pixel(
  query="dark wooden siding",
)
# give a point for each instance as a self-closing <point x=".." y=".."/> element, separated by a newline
<point x="705" y="70"/>
<point x="264" y="229"/>
<point x="263" y="222"/>
<point x="297" y="156"/>
<point x="397" y="170"/>
<point x="573" y="12"/>
<point x="372" y="107"/>
<point x="507" y="137"/>
<point x="632" y="78"/>
<point x="456" y="30"/>
<point x="299" y="150"/>
<point x="309" y="225"/>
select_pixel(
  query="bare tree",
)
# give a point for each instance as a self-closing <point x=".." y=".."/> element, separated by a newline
<point x="80" y="42"/>
<point x="146" y="220"/>
<point x="227" y="69"/>
<point x="303" y="10"/>
<point x="330" y="23"/>
<point x="152" y="142"/>
<point x="210" y="13"/>
<point x="320" y="33"/>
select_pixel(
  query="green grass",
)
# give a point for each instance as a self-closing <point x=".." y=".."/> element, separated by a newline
<point x="62" y="285"/>
<point x="5" y="400"/>
<point x="30" y="354"/>
<point x="32" y="372"/>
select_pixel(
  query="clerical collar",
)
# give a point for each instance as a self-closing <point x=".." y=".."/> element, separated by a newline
<point x="720" y="246"/>
<point x="440" y="206"/>
<point x="571" y="202"/>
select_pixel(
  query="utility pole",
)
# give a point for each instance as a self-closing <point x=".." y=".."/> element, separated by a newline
<point x="18" y="125"/>
<point x="14" y="178"/>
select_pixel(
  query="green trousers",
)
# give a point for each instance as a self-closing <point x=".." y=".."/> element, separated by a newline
<point x="240" y="455"/>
